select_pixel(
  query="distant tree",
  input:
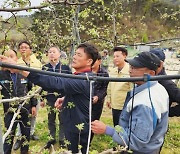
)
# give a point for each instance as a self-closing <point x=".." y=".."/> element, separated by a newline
<point x="105" y="23"/>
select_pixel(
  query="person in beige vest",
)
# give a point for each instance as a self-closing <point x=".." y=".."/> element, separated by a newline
<point x="27" y="59"/>
<point x="116" y="91"/>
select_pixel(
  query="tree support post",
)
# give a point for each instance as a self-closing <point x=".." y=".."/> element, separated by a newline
<point x="1" y="141"/>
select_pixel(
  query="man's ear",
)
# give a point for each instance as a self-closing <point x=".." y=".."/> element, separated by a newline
<point x="90" y="61"/>
<point x="159" y="68"/>
<point x="152" y="72"/>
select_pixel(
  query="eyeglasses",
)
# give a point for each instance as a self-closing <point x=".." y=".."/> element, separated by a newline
<point x="24" y="48"/>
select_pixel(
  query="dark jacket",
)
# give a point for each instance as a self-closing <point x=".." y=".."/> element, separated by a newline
<point x="51" y="98"/>
<point x="174" y="95"/>
<point x="172" y="89"/>
<point x="75" y="109"/>
<point x="100" y="87"/>
<point x="14" y="88"/>
<point x="100" y="90"/>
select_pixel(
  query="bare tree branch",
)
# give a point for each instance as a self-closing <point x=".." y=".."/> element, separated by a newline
<point x="19" y="109"/>
<point x="8" y="30"/>
<point x="20" y="98"/>
<point x="22" y="9"/>
<point x="12" y="122"/>
<point x="41" y="6"/>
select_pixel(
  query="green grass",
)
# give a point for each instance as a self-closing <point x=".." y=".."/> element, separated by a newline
<point x="171" y="145"/>
<point x="102" y="142"/>
<point x="172" y="140"/>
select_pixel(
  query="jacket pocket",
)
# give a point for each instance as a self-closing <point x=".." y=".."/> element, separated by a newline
<point x="141" y="130"/>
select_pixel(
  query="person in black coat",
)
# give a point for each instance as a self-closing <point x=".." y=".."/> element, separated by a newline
<point x="14" y="85"/>
<point x="54" y="65"/>
<point x="169" y="85"/>
<point x="100" y="91"/>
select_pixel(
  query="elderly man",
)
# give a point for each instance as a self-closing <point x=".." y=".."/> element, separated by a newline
<point x="144" y="118"/>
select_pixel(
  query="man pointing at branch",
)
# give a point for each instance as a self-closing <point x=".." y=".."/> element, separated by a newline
<point x="75" y="106"/>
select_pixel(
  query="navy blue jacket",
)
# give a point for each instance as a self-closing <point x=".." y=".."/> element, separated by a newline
<point x="75" y="108"/>
<point x="17" y="88"/>
<point x="51" y="98"/>
<point x="174" y="95"/>
<point x="172" y="89"/>
<point x="100" y="87"/>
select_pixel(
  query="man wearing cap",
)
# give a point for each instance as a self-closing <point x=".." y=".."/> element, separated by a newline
<point x="144" y="118"/>
<point x="169" y="85"/>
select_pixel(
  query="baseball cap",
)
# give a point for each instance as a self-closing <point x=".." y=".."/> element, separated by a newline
<point x="158" y="52"/>
<point x="145" y="59"/>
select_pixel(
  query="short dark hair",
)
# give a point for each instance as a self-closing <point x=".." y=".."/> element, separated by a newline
<point x="90" y="50"/>
<point x="12" y="50"/>
<point x="123" y="50"/>
<point x="99" y="56"/>
<point x="26" y="42"/>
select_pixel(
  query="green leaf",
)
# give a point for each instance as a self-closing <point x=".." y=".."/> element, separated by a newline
<point x="70" y="105"/>
<point x="99" y="1"/>
<point x="80" y="126"/>
<point x="44" y="93"/>
<point x="56" y="94"/>
<point x="79" y="146"/>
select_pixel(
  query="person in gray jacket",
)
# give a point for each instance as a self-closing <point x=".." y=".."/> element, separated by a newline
<point x="144" y="118"/>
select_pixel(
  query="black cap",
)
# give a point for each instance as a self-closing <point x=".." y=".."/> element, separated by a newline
<point x="145" y="59"/>
<point x="158" y="52"/>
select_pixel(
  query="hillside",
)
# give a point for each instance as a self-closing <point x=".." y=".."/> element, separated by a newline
<point x="135" y="21"/>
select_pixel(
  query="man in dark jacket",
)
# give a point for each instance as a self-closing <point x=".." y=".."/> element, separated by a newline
<point x="13" y="86"/>
<point x="100" y="91"/>
<point x="169" y="85"/>
<point x="54" y="65"/>
<point x="75" y="106"/>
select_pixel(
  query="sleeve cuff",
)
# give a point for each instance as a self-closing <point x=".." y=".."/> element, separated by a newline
<point x="109" y="130"/>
